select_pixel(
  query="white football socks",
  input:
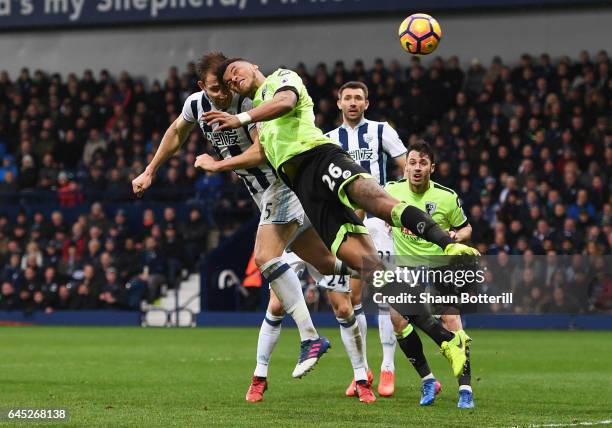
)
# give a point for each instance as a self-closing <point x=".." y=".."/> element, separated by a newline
<point x="363" y="329"/>
<point x="387" y="339"/>
<point x="268" y="336"/>
<point x="351" y="336"/>
<point x="287" y="287"/>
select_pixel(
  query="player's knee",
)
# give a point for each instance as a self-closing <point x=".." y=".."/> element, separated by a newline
<point x="276" y="309"/>
<point x="262" y="256"/>
<point x="343" y="310"/>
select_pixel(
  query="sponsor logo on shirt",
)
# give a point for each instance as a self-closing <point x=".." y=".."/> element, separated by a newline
<point x="223" y="139"/>
<point x="362" y="155"/>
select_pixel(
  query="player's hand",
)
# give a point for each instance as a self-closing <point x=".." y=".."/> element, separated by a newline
<point x="223" y="119"/>
<point x="207" y="163"/>
<point x="456" y="249"/>
<point x="142" y="183"/>
<point x="453" y="235"/>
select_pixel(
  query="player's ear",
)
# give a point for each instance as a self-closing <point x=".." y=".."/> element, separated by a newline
<point x="433" y="167"/>
<point x="201" y="85"/>
<point x="338" y="103"/>
<point x="367" y="104"/>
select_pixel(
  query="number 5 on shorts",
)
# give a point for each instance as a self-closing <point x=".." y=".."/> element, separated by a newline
<point x="268" y="211"/>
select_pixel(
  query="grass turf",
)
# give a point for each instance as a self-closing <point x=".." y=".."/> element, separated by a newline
<point x="198" y="377"/>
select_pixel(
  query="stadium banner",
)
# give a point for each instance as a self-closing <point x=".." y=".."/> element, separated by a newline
<point x="29" y="14"/>
<point x="491" y="284"/>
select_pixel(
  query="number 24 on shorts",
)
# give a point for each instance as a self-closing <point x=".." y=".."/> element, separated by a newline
<point x="334" y="172"/>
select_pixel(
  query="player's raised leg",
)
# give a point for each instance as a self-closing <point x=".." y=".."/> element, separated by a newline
<point x="367" y="194"/>
<point x="310" y="248"/>
<point x="268" y="337"/>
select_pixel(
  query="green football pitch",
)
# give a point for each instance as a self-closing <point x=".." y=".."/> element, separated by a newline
<point x="198" y="377"/>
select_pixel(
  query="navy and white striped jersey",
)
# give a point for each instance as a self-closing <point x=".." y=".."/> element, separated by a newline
<point x="232" y="142"/>
<point x="370" y="144"/>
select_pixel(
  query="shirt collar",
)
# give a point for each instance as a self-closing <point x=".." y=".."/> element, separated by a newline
<point x="347" y="126"/>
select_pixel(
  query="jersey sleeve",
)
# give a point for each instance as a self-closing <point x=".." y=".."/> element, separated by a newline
<point x="390" y="188"/>
<point x="287" y="80"/>
<point x="190" y="109"/>
<point x="247" y="104"/>
<point x="333" y="137"/>
<point x="392" y="144"/>
<point x="456" y="215"/>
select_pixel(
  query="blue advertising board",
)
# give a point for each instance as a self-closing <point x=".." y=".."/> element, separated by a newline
<point x="30" y="14"/>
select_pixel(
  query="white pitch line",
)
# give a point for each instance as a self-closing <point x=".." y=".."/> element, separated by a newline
<point x="577" y="424"/>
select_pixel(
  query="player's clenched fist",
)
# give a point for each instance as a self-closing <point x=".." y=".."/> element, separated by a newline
<point x="207" y="163"/>
<point x="142" y="183"/>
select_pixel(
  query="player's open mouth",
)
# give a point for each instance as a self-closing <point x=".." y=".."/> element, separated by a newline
<point x="416" y="176"/>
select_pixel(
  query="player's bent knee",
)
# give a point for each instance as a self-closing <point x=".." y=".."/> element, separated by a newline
<point x="276" y="310"/>
<point x="263" y="256"/>
<point x="343" y="310"/>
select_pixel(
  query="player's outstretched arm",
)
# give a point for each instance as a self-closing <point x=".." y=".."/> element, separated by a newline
<point x="282" y="103"/>
<point x="173" y="138"/>
<point x="252" y="157"/>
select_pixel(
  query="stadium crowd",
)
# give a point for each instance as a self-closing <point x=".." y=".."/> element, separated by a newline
<point x="527" y="146"/>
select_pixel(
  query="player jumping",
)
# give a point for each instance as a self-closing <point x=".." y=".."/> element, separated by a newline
<point x="338" y="296"/>
<point x="328" y="183"/>
<point x="282" y="217"/>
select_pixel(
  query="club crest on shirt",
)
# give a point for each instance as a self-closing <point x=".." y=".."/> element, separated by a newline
<point x="368" y="138"/>
<point x="430" y="207"/>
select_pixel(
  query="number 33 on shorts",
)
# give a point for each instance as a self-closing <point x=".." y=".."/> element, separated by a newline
<point x="333" y="174"/>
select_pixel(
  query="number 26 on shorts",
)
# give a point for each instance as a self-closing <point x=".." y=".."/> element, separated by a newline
<point x="334" y="172"/>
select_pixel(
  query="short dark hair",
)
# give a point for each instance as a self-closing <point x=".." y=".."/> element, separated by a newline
<point x="422" y="147"/>
<point x="223" y="66"/>
<point x="354" y="85"/>
<point x="209" y="63"/>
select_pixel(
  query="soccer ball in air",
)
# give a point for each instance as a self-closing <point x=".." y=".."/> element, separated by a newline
<point x="420" y="34"/>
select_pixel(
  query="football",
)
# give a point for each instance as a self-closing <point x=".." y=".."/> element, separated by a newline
<point x="420" y="34"/>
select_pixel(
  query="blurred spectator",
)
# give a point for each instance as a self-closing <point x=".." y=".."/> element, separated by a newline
<point x="196" y="237"/>
<point x="113" y="295"/>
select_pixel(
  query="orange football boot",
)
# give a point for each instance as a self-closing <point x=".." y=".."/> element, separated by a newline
<point x="350" y="391"/>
